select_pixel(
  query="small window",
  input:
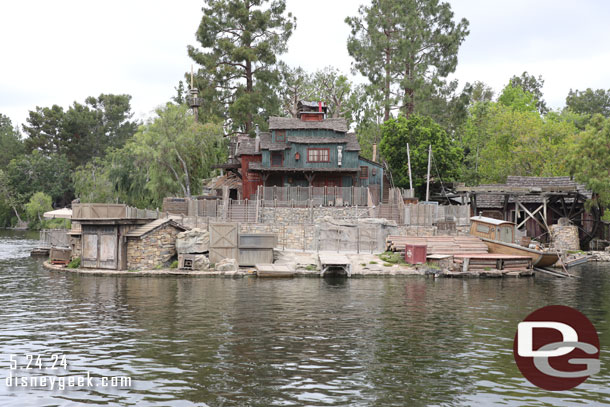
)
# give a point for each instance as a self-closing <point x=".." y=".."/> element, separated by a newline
<point x="280" y="135"/>
<point x="482" y="228"/>
<point x="254" y="176"/>
<point x="277" y="158"/>
<point x="364" y="171"/>
<point x="318" y="155"/>
<point x="374" y="171"/>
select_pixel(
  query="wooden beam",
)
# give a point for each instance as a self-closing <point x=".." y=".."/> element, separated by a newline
<point x="506" y="207"/>
<point x="531" y="215"/>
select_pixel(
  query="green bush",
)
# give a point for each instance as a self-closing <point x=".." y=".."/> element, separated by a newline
<point x="174" y="264"/>
<point x="393" y="257"/>
<point x="74" y="263"/>
<point x="311" y="267"/>
<point x="387" y="265"/>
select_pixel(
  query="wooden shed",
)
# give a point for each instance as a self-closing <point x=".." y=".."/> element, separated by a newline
<point x="493" y="229"/>
<point x="104" y="227"/>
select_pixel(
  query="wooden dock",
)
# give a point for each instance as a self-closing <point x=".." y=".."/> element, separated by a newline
<point x="439" y="244"/>
<point x="274" y="270"/>
<point x="335" y="264"/>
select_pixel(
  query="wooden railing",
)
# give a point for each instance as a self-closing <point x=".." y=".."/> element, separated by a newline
<point x="319" y="196"/>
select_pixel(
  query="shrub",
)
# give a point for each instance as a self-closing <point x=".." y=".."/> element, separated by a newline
<point x="393" y="257"/>
<point x="174" y="264"/>
<point x="74" y="263"/>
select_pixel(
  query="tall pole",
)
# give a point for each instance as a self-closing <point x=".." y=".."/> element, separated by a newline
<point x="428" y="177"/>
<point x="410" y="175"/>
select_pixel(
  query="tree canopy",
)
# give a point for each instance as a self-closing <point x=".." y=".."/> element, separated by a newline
<point x="83" y="131"/>
<point x="240" y="42"/>
<point x="404" y="47"/>
<point x="419" y="132"/>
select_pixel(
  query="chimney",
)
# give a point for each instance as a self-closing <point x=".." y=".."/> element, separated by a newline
<point x="257" y="140"/>
<point x="375" y="152"/>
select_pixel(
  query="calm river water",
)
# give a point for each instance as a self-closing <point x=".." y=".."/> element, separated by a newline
<point x="300" y="342"/>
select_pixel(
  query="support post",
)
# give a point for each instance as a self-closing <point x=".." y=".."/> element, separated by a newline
<point x="410" y="174"/>
<point x="428" y="176"/>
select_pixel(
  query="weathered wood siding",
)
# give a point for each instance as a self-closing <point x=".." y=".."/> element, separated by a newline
<point x="376" y="179"/>
<point x="349" y="158"/>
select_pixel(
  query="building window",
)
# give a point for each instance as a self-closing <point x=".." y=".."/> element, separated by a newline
<point x="364" y="171"/>
<point x="277" y="158"/>
<point x="482" y="228"/>
<point x="280" y="135"/>
<point x="318" y="155"/>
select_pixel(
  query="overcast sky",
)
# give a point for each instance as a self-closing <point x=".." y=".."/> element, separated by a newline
<point x="58" y="52"/>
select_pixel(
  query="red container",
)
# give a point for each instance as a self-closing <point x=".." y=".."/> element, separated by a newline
<point x="416" y="253"/>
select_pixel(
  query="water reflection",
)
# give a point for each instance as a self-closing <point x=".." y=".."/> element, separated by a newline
<point x="320" y="342"/>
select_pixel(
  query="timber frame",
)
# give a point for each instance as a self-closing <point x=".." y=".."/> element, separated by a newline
<point x="557" y="201"/>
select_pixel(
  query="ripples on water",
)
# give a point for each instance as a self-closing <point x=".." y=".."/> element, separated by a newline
<point x="299" y="342"/>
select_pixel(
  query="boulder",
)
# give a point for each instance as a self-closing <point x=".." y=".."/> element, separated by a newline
<point x="193" y="241"/>
<point x="226" y="265"/>
<point x="197" y="261"/>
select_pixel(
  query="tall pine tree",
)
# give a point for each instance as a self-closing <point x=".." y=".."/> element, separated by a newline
<point x="240" y="40"/>
<point x="404" y="48"/>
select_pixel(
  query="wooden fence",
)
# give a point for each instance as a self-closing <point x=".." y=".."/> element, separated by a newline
<point x="110" y="211"/>
<point x="319" y="196"/>
<point x="54" y="238"/>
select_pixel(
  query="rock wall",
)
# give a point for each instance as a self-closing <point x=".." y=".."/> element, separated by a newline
<point x="298" y="236"/>
<point x="153" y="249"/>
<point x="291" y="216"/>
<point x="75" y="244"/>
<point x="565" y="237"/>
<point x="334" y="228"/>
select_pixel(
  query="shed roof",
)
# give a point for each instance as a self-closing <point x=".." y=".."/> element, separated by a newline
<point x="229" y="180"/>
<point x="151" y="226"/>
<point x="491" y="221"/>
<point x="258" y="167"/>
<point x="350" y="141"/>
<point x="548" y="184"/>
<point x="289" y="123"/>
<point x="246" y="146"/>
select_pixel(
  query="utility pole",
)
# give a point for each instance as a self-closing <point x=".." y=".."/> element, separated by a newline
<point x="410" y="175"/>
<point x="428" y="177"/>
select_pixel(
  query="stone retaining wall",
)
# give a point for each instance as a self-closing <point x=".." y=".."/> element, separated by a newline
<point x="291" y="216"/>
<point x="75" y="244"/>
<point x="565" y="237"/>
<point x="153" y="249"/>
<point x="305" y="236"/>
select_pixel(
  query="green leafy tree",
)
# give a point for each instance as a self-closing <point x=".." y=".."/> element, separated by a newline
<point x="403" y="47"/>
<point x="39" y="204"/>
<point x="92" y="182"/>
<point x="533" y="85"/>
<point x="594" y="170"/>
<point x="83" y="131"/>
<point x="177" y="151"/>
<point x="419" y="132"/>
<point x="515" y="98"/>
<point x="367" y="111"/>
<point x="35" y="172"/>
<point x="295" y="85"/>
<point x="501" y="140"/>
<point x="240" y="42"/>
<point x="11" y="145"/>
<point x="335" y="89"/>
<point x="589" y="102"/>
<point x="9" y="198"/>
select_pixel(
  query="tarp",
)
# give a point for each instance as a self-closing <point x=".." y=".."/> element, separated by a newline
<point x="63" y="213"/>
